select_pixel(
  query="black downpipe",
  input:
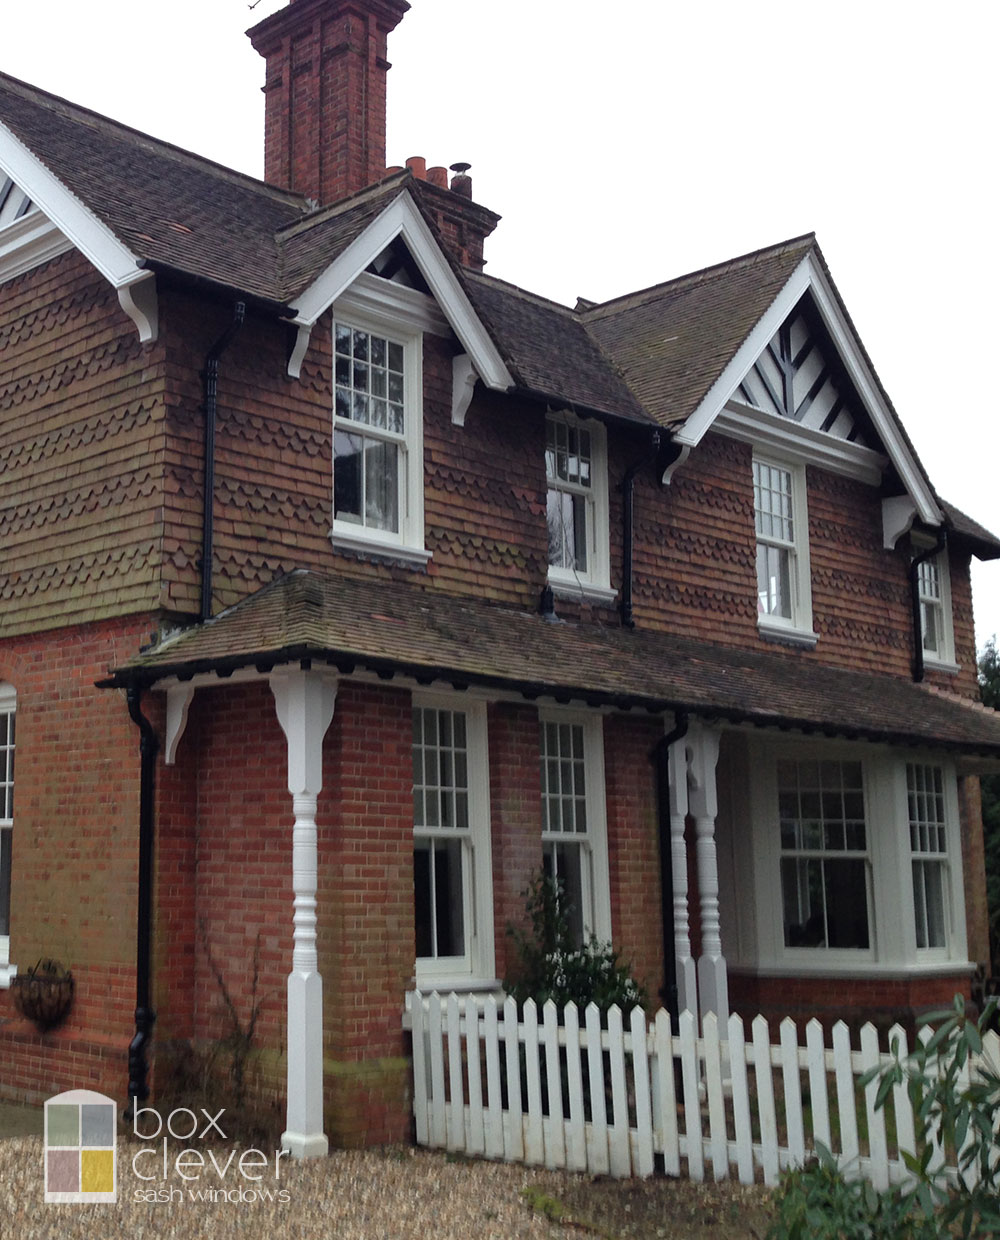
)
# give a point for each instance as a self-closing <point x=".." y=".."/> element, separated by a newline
<point x="918" y="628"/>
<point x="211" y="381"/>
<point x="138" y="1068"/>
<point x="660" y="758"/>
<point x="628" y="532"/>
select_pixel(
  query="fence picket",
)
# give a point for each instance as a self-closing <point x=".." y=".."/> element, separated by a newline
<point x="619" y="1144"/>
<point x="576" y="1135"/>
<point x="741" y="1100"/>
<point x="420" y="1068"/>
<point x="764" y="1077"/>
<point x="513" y="1137"/>
<point x="493" y="1131"/>
<point x="665" y="1118"/>
<point x="438" y="1119"/>
<point x="456" y="1042"/>
<point x="937" y="1153"/>
<point x="846" y="1101"/>
<point x="555" y="1133"/>
<point x="534" y="1136"/>
<point x="717" y="1141"/>
<point x="878" y="1147"/>
<point x="792" y="1085"/>
<point x="692" y="1146"/>
<point x="643" y="1104"/>
<point x="902" y="1108"/>
<point x="598" y="1157"/>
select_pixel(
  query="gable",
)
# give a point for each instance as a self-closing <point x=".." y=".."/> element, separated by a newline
<point x="868" y="413"/>
<point x="28" y="237"/>
<point x="799" y="376"/>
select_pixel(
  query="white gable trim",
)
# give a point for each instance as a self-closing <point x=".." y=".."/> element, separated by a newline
<point x="809" y="276"/>
<point x="402" y="219"/>
<point x="79" y="226"/>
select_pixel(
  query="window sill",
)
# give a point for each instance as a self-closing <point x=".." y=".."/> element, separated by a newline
<point x="941" y="665"/>
<point x="444" y="988"/>
<point x="860" y="969"/>
<point x="362" y="544"/>
<point x="784" y="635"/>
<point x="7" y="974"/>
<point x="571" y="588"/>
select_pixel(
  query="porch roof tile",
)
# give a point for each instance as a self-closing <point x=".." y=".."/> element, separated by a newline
<point x="392" y="627"/>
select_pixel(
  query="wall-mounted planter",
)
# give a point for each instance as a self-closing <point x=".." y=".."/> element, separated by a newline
<point x="44" y="994"/>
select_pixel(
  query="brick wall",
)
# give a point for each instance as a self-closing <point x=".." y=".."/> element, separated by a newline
<point x="74" y="856"/>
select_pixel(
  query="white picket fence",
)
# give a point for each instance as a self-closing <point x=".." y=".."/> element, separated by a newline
<point x="522" y="1090"/>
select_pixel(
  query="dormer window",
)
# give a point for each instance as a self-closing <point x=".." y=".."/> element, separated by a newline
<point x="377" y="440"/>
<point x="576" y="476"/>
<point x="784" y="595"/>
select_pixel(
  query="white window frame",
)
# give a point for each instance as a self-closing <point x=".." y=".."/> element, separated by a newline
<point x="476" y="968"/>
<point x="406" y="543"/>
<point x="798" y="626"/>
<point x="8" y="706"/>
<point x="596" y="913"/>
<point x="594" y="583"/>
<point x="892" y="947"/>
<point x="943" y="655"/>
<point x="941" y="857"/>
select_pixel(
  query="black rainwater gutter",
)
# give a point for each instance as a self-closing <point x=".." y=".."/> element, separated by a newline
<point x="210" y="377"/>
<point x="627" y="488"/>
<point x="918" y="628"/>
<point x="660" y="757"/>
<point x="138" y="1068"/>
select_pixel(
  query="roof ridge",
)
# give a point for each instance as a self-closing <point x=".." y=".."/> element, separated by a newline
<point x="538" y="298"/>
<point x="702" y="274"/>
<point x="79" y="112"/>
<point x="319" y="215"/>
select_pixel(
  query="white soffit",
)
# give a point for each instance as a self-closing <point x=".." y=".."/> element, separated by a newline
<point x="82" y="229"/>
<point x="402" y="219"/>
<point x="810" y="277"/>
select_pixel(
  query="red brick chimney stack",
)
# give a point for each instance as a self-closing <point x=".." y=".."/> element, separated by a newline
<point x="324" y="93"/>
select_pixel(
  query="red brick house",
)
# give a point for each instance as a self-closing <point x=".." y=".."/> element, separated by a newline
<point x="343" y="586"/>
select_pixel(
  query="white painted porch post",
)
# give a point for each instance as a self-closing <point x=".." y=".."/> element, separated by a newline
<point x="687" y="990"/>
<point x="304" y="702"/>
<point x="713" y="979"/>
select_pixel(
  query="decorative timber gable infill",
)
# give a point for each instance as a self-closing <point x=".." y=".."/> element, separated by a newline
<point x="799" y="376"/>
<point x="14" y="202"/>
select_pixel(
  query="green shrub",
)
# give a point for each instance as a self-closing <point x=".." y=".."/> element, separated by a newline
<point x="552" y="965"/>
<point x="953" y="1111"/>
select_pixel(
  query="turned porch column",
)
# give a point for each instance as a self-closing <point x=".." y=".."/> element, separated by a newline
<point x="687" y="990"/>
<point x="304" y="702"/>
<point x="713" y="980"/>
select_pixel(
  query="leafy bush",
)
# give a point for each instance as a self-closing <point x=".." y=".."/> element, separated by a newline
<point x="955" y="1111"/>
<point x="553" y="966"/>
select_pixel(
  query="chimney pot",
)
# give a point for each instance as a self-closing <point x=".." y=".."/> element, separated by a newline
<point x="418" y="166"/>
<point x="438" y="176"/>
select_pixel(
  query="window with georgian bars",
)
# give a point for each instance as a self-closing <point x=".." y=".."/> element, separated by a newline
<point x="566" y="842"/>
<point x="929" y="849"/>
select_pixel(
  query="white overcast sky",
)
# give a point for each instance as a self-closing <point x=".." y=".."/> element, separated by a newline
<point x="627" y="143"/>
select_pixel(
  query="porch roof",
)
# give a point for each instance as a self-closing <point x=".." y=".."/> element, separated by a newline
<point x="393" y="628"/>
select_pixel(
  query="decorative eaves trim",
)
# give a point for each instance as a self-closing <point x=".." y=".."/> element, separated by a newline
<point x="402" y="219"/>
<point x="81" y="227"/>
<point x="810" y="277"/>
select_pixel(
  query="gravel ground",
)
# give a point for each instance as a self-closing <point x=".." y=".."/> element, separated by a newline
<point x="372" y="1195"/>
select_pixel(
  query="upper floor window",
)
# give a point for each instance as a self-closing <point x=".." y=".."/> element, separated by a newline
<point x="784" y="594"/>
<point x="576" y="476"/>
<point x="574" y="826"/>
<point x="452" y="885"/>
<point x="377" y="440"/>
<point x="934" y="593"/>
<point x="7" y="713"/>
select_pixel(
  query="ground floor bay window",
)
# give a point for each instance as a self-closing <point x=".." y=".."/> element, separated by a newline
<point x="839" y="859"/>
